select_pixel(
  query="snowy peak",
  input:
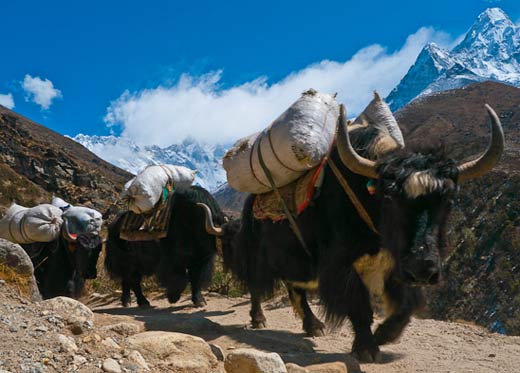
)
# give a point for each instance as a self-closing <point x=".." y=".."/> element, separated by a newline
<point x="128" y="155"/>
<point x="489" y="51"/>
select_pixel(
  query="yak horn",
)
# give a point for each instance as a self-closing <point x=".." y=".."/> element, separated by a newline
<point x="210" y="227"/>
<point x="484" y="163"/>
<point x="348" y="155"/>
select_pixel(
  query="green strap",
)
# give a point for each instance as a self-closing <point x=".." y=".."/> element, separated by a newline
<point x="288" y="214"/>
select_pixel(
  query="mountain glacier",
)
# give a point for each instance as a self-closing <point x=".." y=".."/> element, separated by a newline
<point x="490" y="50"/>
<point x="126" y="154"/>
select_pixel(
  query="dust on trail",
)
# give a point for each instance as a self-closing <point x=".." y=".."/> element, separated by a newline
<point x="426" y="346"/>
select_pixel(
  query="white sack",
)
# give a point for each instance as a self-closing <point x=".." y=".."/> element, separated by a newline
<point x="79" y="219"/>
<point x="146" y="189"/>
<point x="83" y="220"/>
<point x="21" y="225"/>
<point x="60" y="203"/>
<point x="294" y="143"/>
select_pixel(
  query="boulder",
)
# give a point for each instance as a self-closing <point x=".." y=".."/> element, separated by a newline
<point x="16" y="266"/>
<point x="247" y="360"/>
<point x="70" y="310"/>
<point x="177" y="352"/>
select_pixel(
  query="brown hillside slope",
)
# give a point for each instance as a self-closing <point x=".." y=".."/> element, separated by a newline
<point x="36" y="161"/>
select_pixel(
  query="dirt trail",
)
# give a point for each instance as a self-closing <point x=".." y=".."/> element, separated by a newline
<point x="426" y="346"/>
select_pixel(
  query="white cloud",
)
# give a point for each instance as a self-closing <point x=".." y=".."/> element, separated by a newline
<point x="198" y="107"/>
<point x="39" y="91"/>
<point x="7" y="100"/>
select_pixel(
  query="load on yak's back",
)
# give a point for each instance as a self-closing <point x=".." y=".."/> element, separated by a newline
<point x="79" y="219"/>
<point x="143" y="192"/>
<point x="293" y="144"/>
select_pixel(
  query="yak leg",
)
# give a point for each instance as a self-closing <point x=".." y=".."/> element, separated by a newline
<point x="360" y="313"/>
<point x="126" y="300"/>
<point x="312" y="326"/>
<point x="136" y="288"/>
<point x="403" y="301"/>
<point x="176" y="284"/>
<point x="196" y="274"/>
<point x="257" y="315"/>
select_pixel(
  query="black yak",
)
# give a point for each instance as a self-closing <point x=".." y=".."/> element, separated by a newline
<point x="359" y="244"/>
<point x="185" y="255"/>
<point x="62" y="266"/>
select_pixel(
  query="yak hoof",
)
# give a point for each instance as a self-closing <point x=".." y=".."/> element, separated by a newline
<point x="315" y="329"/>
<point x="387" y="333"/>
<point x="368" y="356"/>
<point x="173" y="298"/>
<point x="126" y="303"/>
<point x="315" y="332"/>
<point x="144" y="304"/>
<point x="199" y="303"/>
<point x="258" y="324"/>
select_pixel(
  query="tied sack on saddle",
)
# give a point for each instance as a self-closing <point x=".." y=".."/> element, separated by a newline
<point x="293" y="144"/>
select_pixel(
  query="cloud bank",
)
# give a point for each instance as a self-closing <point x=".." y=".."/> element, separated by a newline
<point x="39" y="91"/>
<point x="7" y="100"/>
<point x="197" y="107"/>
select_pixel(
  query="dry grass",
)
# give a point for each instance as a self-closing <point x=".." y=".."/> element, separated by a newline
<point x="15" y="279"/>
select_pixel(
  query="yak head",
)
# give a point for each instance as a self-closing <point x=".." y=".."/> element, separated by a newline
<point x="415" y="191"/>
<point x="84" y="249"/>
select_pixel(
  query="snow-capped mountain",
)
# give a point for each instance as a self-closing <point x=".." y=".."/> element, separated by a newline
<point x="126" y="154"/>
<point x="490" y="50"/>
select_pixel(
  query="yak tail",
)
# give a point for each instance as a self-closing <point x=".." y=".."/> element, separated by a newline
<point x="243" y="257"/>
<point x="113" y="251"/>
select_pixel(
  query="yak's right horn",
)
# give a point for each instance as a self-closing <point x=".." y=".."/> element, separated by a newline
<point x="210" y="227"/>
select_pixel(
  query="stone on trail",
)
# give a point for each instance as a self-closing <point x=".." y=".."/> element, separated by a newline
<point x="123" y="328"/>
<point x="70" y="310"/>
<point x="248" y="360"/>
<point x="138" y="359"/>
<point x="110" y="344"/>
<point x="176" y="351"/>
<point x="67" y="343"/>
<point x="111" y="366"/>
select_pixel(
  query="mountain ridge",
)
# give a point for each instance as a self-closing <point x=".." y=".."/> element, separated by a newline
<point x="490" y="50"/>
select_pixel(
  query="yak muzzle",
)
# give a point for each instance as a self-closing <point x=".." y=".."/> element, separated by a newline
<point x="422" y="271"/>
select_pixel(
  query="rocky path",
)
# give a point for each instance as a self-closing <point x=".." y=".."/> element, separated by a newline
<point x="426" y="346"/>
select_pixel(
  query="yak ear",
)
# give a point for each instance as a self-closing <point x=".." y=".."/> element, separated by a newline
<point x="377" y="119"/>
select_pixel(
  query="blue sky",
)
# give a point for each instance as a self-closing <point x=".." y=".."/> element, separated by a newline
<point x="79" y="58"/>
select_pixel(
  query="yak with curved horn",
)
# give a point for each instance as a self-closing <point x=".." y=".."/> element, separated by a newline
<point x="185" y="255"/>
<point x="360" y="245"/>
<point x="62" y="265"/>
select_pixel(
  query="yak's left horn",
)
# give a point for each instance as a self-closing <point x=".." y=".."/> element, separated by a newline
<point x="210" y="227"/>
<point x="348" y="155"/>
<point x="484" y="163"/>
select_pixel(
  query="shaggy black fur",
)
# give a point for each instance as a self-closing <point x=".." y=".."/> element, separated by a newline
<point x="62" y="271"/>
<point x="411" y="229"/>
<point x="185" y="255"/>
